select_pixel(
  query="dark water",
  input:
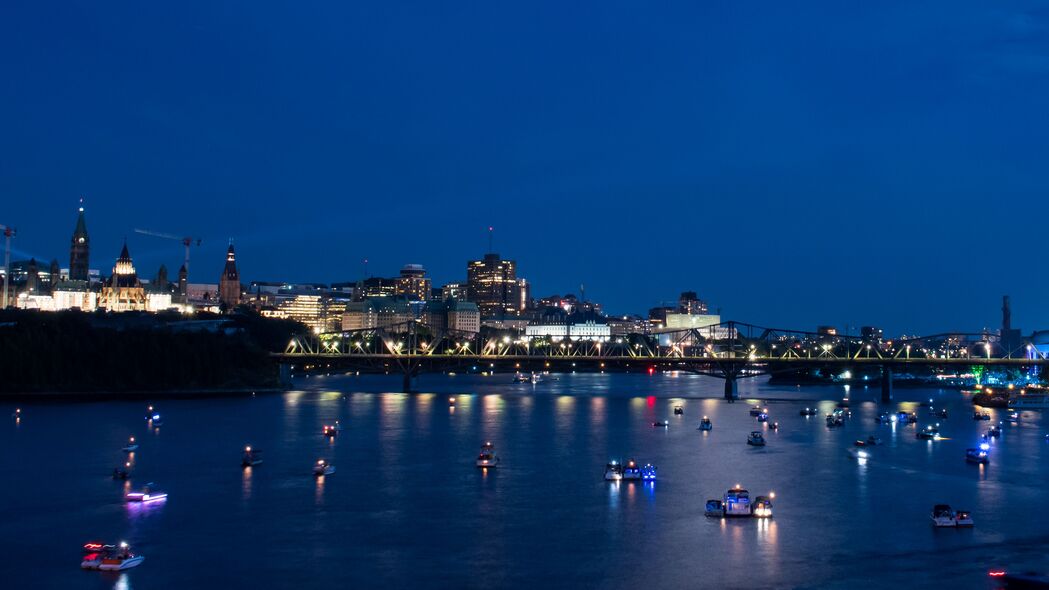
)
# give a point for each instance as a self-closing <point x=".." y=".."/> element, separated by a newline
<point x="407" y="508"/>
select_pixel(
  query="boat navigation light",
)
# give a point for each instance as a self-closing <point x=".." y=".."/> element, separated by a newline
<point x="984" y="446"/>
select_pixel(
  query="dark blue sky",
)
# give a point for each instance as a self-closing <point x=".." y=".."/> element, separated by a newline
<point x="836" y="162"/>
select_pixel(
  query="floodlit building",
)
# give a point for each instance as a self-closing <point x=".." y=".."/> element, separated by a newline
<point x="557" y="325"/>
<point x="379" y="312"/>
<point x="122" y="291"/>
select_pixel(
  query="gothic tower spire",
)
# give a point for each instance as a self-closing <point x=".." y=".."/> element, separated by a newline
<point x="79" y="249"/>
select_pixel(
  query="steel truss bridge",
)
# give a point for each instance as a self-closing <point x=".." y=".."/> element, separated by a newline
<point x="729" y="350"/>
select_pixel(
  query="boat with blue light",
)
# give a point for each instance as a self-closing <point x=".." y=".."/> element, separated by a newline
<point x="930" y="432"/>
<point x="978" y="456"/>
<point x="763" y="417"/>
<point x="714" y="508"/>
<point x="648" y="472"/>
<point x="706" y="424"/>
<point x="757" y="410"/>
<point x="131" y="446"/>
<point x="736" y="502"/>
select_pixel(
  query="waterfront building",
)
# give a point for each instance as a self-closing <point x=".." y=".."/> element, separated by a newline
<point x="453" y="315"/>
<point x="378" y="312"/>
<point x="79" y="250"/>
<point x="122" y="291"/>
<point x="627" y="324"/>
<point x="373" y="287"/>
<point x="493" y="285"/>
<point x="229" y="282"/>
<point x="557" y="325"/>
<point x="413" y="284"/>
<point x="871" y="334"/>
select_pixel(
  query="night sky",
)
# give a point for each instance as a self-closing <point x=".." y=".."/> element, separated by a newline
<point x="796" y="164"/>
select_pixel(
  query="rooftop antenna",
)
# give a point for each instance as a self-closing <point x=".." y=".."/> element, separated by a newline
<point x="8" y="234"/>
<point x="364" y="262"/>
<point x="491" y="231"/>
<point x="582" y="293"/>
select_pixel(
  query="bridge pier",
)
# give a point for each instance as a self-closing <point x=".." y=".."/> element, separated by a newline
<point x="731" y="388"/>
<point x="284" y="376"/>
<point x="407" y="386"/>
<point x="886" y="384"/>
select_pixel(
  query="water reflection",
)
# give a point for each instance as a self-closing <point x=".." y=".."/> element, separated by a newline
<point x="245" y="485"/>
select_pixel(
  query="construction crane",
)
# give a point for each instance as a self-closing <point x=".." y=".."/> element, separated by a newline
<point x="9" y="233"/>
<point x="187" y="242"/>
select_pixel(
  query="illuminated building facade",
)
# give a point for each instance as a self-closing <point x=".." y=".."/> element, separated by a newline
<point x="453" y="315"/>
<point x="229" y="283"/>
<point x="79" y="250"/>
<point x="122" y="291"/>
<point x="413" y="283"/>
<point x="493" y="285"/>
<point x="381" y="312"/>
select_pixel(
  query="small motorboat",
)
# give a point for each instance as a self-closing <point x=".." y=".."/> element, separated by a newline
<point x="663" y="424"/>
<point x="762" y="507"/>
<point x="648" y="472"/>
<point x="995" y="431"/>
<point x="930" y="432"/>
<point x="337" y="427"/>
<point x="809" y="412"/>
<point x="487" y="457"/>
<point x="834" y="420"/>
<point x="251" y="457"/>
<point x="451" y="400"/>
<point x="119" y="558"/>
<point x="905" y="418"/>
<point x="844" y="403"/>
<point x="736" y="502"/>
<point x="756" y="439"/>
<point x="148" y="493"/>
<point x="981" y="416"/>
<point x="323" y="468"/>
<point x="942" y="413"/>
<point x="885" y="419"/>
<point x="522" y="378"/>
<point x="1014" y="417"/>
<point x="773" y="425"/>
<point x="131" y="446"/>
<point x="631" y="472"/>
<point x="763" y="417"/>
<point x="755" y="410"/>
<point x="613" y="471"/>
<point x="329" y="431"/>
<point x="870" y="441"/>
<point x="706" y="424"/>
<point x="943" y="516"/>
<point x="678" y="410"/>
<point x="1030" y="580"/>
<point x="122" y="473"/>
<point x="977" y="456"/>
<point x="714" y="508"/>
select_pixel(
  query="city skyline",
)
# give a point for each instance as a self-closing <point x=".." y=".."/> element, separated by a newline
<point x="895" y="180"/>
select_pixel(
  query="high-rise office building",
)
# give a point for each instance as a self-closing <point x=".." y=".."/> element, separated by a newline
<point x="492" y="284"/>
<point x="413" y="283"/>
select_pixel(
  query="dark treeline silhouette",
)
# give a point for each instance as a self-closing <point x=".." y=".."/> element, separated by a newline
<point x="98" y="352"/>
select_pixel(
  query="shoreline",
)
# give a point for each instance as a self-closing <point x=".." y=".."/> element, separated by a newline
<point x="139" y="395"/>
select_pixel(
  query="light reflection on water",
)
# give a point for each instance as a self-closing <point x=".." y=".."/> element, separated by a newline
<point x="407" y="491"/>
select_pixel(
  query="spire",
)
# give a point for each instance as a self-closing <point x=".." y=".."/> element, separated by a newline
<point x="79" y="248"/>
<point x="81" y="225"/>
<point x="124" y="256"/>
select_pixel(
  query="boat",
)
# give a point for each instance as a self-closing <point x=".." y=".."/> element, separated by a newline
<point x="93" y="553"/>
<point x="148" y="493"/>
<point x="706" y="424"/>
<point x="885" y="419"/>
<point x="648" y="472"/>
<point x="942" y="413"/>
<point x="809" y="412"/>
<point x="756" y="439"/>
<point x="663" y="424"/>
<point x="835" y="419"/>
<point x="762" y="507"/>
<point x="323" y="468"/>
<point x="122" y="473"/>
<point x="613" y="471"/>
<point x="763" y="417"/>
<point x="773" y="425"/>
<point x="978" y="456"/>
<point x="1027" y="580"/>
<point x="905" y="418"/>
<point x="451" y="400"/>
<point x="930" y="432"/>
<point x="995" y="431"/>
<point x="943" y="516"/>
<point x="337" y="427"/>
<point x="329" y="431"/>
<point x="1029" y="400"/>
<point x="981" y="416"/>
<point x="131" y="446"/>
<point x="251" y="457"/>
<point x="870" y="441"/>
<point x="487" y="456"/>
<point x="737" y="502"/>
<point x="755" y="410"/>
<point x="678" y="410"/>
<point x="858" y="453"/>
<point x="714" y="508"/>
<point x="631" y="472"/>
<point x="844" y="403"/>
<point x="1013" y="417"/>
<point x="118" y="559"/>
